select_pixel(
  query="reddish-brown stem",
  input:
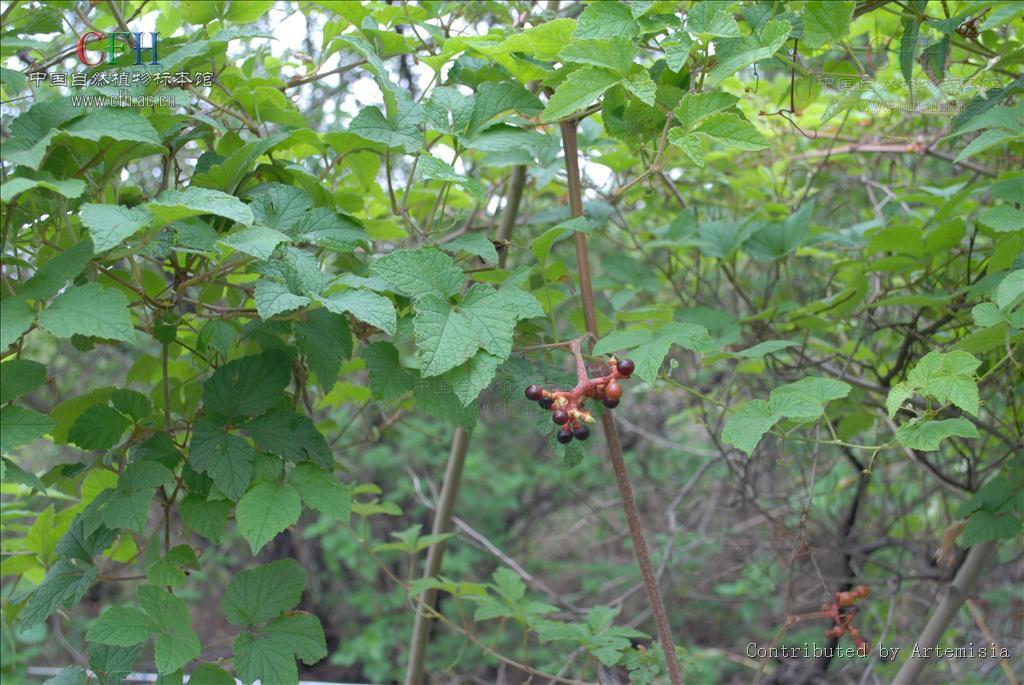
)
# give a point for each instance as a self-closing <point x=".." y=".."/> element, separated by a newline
<point x="643" y="557"/>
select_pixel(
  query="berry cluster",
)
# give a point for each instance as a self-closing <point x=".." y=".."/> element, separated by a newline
<point x="843" y="611"/>
<point x="566" y="406"/>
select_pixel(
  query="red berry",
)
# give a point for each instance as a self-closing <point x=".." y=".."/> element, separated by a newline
<point x="581" y="432"/>
<point x="613" y="391"/>
<point x="610" y="403"/>
<point x="560" y="416"/>
<point x="545" y="402"/>
<point x="565" y="436"/>
<point x="533" y="392"/>
<point x="626" y="367"/>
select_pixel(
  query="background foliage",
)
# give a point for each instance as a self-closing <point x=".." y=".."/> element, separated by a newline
<point x="237" y="333"/>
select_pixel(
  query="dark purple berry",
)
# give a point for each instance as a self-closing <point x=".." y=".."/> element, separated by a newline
<point x="533" y="392"/>
<point x="545" y="402"/>
<point x="581" y="432"/>
<point x="610" y="403"/>
<point x="626" y="367"/>
<point x="565" y="436"/>
<point x="560" y="416"/>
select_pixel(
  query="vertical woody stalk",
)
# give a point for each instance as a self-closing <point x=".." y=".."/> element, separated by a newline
<point x="453" y="471"/>
<point x="643" y="557"/>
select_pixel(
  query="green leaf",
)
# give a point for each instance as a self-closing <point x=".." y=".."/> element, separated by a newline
<point x="388" y="379"/>
<point x="176" y="642"/>
<point x="493" y="316"/>
<point x="543" y="41"/>
<point x="55" y="273"/>
<point x="89" y="310"/>
<point x="226" y="458"/>
<point x="748" y="424"/>
<point x="122" y="627"/>
<point x="110" y="225"/>
<point x="445" y="337"/>
<point x="689" y="143"/>
<point x="175" y="205"/>
<point x="175" y="649"/>
<point x="172" y="569"/>
<point x="470" y="379"/>
<point x="290" y="436"/>
<point x="432" y="168"/>
<point x="642" y="87"/>
<point x="248" y="386"/>
<point x="209" y="674"/>
<point x="695" y="107"/>
<point x="579" y="90"/>
<point x="218" y="335"/>
<point x="420" y="273"/>
<point x="908" y="49"/>
<point x="204" y="517"/>
<point x="71" y="188"/>
<point x="495" y="98"/>
<point x="826" y="21"/>
<point x="303" y="633"/>
<point x="326" y="341"/>
<point x="12" y="473"/>
<point x="112" y="664"/>
<point x="735" y="53"/>
<point x="16" y="317"/>
<point x="621" y="340"/>
<point x="948" y="377"/>
<point x="986" y="525"/>
<point x="365" y="305"/>
<point x="403" y="133"/>
<point x="65" y="585"/>
<point x="607" y="19"/>
<point x="1003" y="218"/>
<point x="265" y="511"/>
<point x="677" y="50"/>
<point x="273" y="298"/>
<point x="258" y="241"/>
<point x="770" y="241"/>
<point x="806" y="398"/>
<point x="267" y="659"/>
<point x="127" y="509"/>
<point x="98" y="428"/>
<point x="320" y="490"/>
<point x="114" y="123"/>
<point x="765" y="348"/>
<point x="712" y="18"/>
<point x="898" y="394"/>
<point x="733" y="130"/>
<point x="1010" y="291"/>
<point x="131" y="403"/>
<point x="20" y="376"/>
<point x="260" y="594"/>
<point x="651" y="355"/>
<point x="926" y="435"/>
<point x="615" y="54"/>
<point x="988" y="139"/>
<point x="475" y="244"/>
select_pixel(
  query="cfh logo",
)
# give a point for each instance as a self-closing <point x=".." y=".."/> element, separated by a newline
<point x="114" y="43"/>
